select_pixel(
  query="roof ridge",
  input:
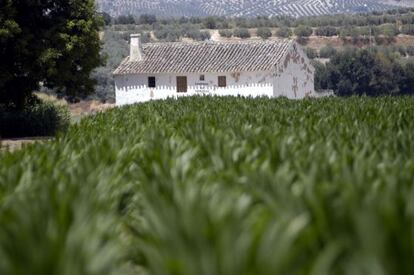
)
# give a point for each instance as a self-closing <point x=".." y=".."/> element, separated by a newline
<point x="210" y="42"/>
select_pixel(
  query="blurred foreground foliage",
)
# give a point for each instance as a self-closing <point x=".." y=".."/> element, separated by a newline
<point x="217" y="186"/>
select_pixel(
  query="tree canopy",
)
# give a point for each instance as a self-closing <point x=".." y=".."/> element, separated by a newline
<point x="366" y="72"/>
<point x="54" y="43"/>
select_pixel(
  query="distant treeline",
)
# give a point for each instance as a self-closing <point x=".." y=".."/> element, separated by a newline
<point x="398" y="16"/>
<point x="354" y="29"/>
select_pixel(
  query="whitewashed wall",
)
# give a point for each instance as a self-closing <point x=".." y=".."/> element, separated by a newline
<point x="133" y="88"/>
<point x="295" y="76"/>
<point x="292" y="78"/>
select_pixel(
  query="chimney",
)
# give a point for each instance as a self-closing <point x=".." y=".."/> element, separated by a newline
<point x="136" y="48"/>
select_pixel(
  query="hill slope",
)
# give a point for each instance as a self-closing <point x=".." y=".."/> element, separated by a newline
<point x="294" y="8"/>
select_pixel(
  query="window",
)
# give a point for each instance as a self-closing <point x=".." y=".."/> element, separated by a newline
<point x="151" y="82"/>
<point x="202" y="77"/>
<point x="222" y="81"/>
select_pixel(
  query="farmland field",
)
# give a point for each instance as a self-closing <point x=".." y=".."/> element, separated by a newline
<point x="217" y="186"/>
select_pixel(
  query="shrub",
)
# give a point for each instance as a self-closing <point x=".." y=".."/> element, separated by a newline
<point x="410" y="50"/>
<point x="326" y="31"/>
<point x="389" y="30"/>
<point x="303" y="31"/>
<point x="242" y="33"/>
<point x="226" y="33"/>
<point x="284" y="32"/>
<point x="38" y="119"/>
<point x="311" y="53"/>
<point x="264" y="33"/>
<point x="408" y="29"/>
<point x="327" y="52"/>
<point x="198" y="35"/>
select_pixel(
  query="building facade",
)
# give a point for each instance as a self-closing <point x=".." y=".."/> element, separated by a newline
<point x="170" y="70"/>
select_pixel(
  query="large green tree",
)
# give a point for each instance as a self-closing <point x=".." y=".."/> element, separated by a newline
<point x="54" y="43"/>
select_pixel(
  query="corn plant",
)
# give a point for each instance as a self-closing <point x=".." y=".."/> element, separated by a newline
<point x="209" y="185"/>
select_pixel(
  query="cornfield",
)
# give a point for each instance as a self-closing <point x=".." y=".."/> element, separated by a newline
<point x="216" y="186"/>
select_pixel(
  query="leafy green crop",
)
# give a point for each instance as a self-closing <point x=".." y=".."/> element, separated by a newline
<point x="217" y="186"/>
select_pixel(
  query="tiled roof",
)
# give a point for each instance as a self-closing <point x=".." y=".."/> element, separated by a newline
<point x="180" y="57"/>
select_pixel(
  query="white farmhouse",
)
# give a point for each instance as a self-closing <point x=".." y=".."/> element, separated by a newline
<point x="259" y="68"/>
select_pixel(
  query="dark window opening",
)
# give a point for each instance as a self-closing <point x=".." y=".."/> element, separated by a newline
<point x="222" y="81"/>
<point x="202" y="77"/>
<point x="151" y="82"/>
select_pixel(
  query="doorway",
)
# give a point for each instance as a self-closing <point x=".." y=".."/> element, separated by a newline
<point x="182" y="84"/>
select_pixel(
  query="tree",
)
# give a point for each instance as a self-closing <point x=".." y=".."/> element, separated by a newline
<point x="210" y="22"/>
<point x="327" y="51"/>
<point x="55" y="43"/>
<point x="320" y="76"/>
<point x="410" y="50"/>
<point x="106" y="18"/>
<point x="363" y="72"/>
<point x="303" y="31"/>
<point x="125" y="20"/>
<point x="407" y="79"/>
<point x="284" y="32"/>
<point x="264" y="32"/>
<point x="311" y="53"/>
<point x="147" y="19"/>
<point x="408" y="29"/>
<point x="226" y="33"/>
<point x="326" y="31"/>
<point x="242" y="33"/>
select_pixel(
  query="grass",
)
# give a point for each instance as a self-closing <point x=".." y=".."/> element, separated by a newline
<point x="216" y="186"/>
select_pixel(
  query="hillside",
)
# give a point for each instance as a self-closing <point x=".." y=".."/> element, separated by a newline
<point x="295" y="8"/>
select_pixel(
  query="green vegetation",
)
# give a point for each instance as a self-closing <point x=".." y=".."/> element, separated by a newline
<point x="216" y="186"/>
<point x="327" y="52"/>
<point x="38" y="118"/>
<point x="49" y="45"/>
<point x="226" y="33"/>
<point x="48" y="42"/>
<point x="303" y="31"/>
<point x="284" y="32"/>
<point x="242" y="33"/>
<point x="372" y="72"/>
<point x="264" y="33"/>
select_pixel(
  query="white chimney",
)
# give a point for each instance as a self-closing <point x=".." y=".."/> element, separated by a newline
<point x="137" y="53"/>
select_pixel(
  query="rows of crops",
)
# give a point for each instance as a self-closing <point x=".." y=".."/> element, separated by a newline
<point x="217" y="186"/>
<point x="251" y="8"/>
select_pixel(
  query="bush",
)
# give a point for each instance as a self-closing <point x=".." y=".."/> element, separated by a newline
<point x="226" y="33"/>
<point x="326" y="31"/>
<point x="410" y="50"/>
<point x="408" y="29"/>
<point x="303" y="31"/>
<point x="284" y="32"/>
<point x="264" y="33"/>
<point x="389" y="30"/>
<point x="242" y="33"/>
<point x="39" y="119"/>
<point x="327" y="52"/>
<point x="311" y="53"/>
